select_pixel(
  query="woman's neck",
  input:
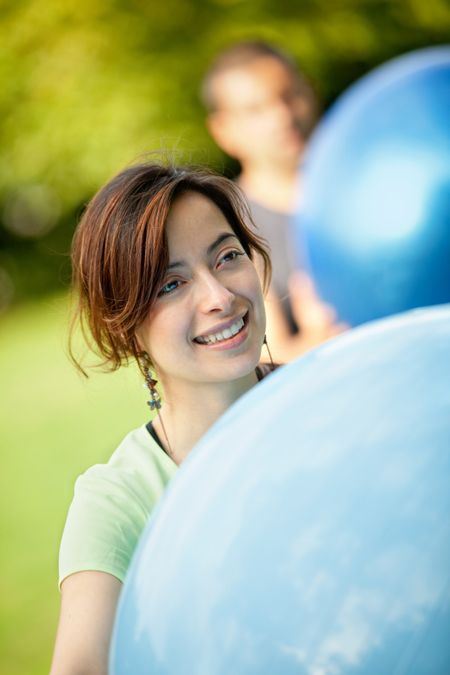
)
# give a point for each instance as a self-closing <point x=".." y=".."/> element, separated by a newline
<point x="189" y="411"/>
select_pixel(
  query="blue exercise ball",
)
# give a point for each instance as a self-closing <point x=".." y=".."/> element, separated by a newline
<point x="309" y="531"/>
<point x="374" y="226"/>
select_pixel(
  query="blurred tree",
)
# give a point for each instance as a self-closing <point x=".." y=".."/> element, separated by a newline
<point x="89" y="86"/>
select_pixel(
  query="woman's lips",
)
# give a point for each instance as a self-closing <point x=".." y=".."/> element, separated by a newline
<point x="228" y="342"/>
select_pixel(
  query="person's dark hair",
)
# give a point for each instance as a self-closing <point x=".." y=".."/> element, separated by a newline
<point x="120" y="253"/>
<point x="242" y="54"/>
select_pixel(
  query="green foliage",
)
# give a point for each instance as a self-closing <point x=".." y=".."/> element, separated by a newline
<point x="89" y="86"/>
<point x="54" y="425"/>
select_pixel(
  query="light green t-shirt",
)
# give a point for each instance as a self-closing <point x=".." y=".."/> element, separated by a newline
<point x="111" y="505"/>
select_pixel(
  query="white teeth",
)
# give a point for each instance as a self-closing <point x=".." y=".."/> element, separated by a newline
<point x="223" y="335"/>
<point x="234" y="330"/>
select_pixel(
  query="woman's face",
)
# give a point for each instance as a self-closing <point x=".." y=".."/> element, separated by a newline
<point x="208" y="322"/>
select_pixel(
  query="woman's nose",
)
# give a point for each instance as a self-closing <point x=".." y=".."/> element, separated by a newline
<point x="213" y="295"/>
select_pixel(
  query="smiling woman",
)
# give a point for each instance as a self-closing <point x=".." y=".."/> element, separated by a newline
<point x="164" y="271"/>
<point x="207" y="323"/>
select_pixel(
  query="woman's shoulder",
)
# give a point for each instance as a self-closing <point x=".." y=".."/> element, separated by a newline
<point x="127" y="486"/>
<point x="137" y="458"/>
<point x="111" y="505"/>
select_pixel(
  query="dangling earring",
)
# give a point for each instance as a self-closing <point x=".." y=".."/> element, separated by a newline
<point x="272" y="365"/>
<point x="155" y="399"/>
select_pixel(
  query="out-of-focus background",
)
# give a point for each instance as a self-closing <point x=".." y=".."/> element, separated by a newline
<point x="87" y="87"/>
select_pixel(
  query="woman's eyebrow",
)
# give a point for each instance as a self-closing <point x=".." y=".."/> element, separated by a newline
<point x="219" y="240"/>
<point x="209" y="250"/>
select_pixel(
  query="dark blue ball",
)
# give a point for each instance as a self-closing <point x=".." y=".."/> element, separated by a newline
<point x="309" y="531"/>
<point x="376" y="215"/>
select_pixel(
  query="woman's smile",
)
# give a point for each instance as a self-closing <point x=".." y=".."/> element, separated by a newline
<point x="225" y="336"/>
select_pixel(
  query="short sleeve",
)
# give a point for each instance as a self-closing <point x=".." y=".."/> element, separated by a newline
<point x="111" y="505"/>
<point x="103" y="524"/>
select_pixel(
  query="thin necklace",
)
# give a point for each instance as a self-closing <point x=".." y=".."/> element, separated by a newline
<point x="166" y="438"/>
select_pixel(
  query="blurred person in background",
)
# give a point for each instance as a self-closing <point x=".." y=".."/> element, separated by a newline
<point x="261" y="111"/>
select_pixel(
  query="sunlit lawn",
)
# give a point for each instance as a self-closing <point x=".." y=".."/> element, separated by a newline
<point x="53" y="425"/>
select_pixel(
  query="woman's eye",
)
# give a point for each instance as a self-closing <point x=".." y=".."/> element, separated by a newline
<point x="169" y="287"/>
<point x="230" y="255"/>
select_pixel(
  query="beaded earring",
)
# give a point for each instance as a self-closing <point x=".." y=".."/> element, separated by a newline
<point x="155" y="399"/>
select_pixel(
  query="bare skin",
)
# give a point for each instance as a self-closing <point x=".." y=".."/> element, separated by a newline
<point x="88" y="604"/>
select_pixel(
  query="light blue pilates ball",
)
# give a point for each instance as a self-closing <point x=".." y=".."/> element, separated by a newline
<point x="309" y="531"/>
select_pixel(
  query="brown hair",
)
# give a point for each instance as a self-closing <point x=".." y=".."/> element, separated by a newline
<point x="120" y="254"/>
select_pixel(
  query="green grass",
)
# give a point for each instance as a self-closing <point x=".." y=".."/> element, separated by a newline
<point x="53" y="425"/>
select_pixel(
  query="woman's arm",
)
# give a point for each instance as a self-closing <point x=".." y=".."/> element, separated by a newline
<point x="88" y="605"/>
<point x="315" y="320"/>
